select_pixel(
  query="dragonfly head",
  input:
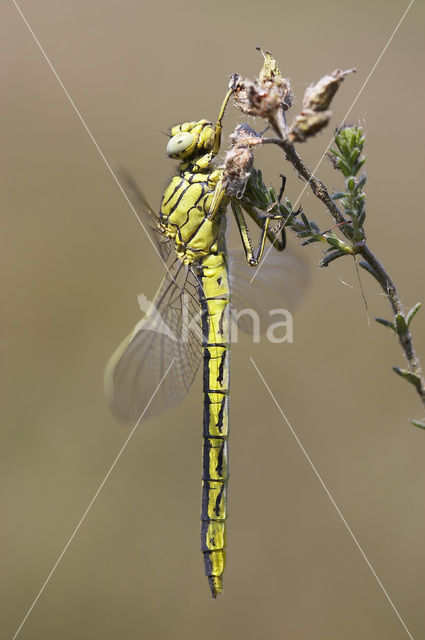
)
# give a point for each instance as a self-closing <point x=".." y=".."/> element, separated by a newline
<point x="191" y="139"/>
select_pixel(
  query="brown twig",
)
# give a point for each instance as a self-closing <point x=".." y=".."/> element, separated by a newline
<point x="377" y="269"/>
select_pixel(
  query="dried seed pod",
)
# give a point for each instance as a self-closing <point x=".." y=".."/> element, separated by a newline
<point x="315" y="114"/>
<point x="307" y="124"/>
<point x="318" y="97"/>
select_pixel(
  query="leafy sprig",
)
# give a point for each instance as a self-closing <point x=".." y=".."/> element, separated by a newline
<point x="270" y="97"/>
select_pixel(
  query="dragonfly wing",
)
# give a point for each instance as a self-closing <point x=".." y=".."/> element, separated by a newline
<point x="280" y="282"/>
<point x="144" y="212"/>
<point x="166" y="342"/>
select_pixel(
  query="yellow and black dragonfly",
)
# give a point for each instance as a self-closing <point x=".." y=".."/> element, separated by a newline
<point x="189" y="318"/>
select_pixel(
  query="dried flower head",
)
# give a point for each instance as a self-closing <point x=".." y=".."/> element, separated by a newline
<point x="239" y="159"/>
<point x="266" y="95"/>
<point x="271" y="78"/>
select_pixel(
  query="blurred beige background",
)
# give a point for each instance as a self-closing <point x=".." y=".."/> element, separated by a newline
<point x="72" y="262"/>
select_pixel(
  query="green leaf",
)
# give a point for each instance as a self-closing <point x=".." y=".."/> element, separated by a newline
<point x="360" y="184"/>
<point x="361" y="218"/>
<point x="309" y="241"/>
<point x="409" y="376"/>
<point x="413" y="311"/>
<point x="386" y="323"/>
<point x="360" y="163"/>
<point x="305" y="220"/>
<point x="338" y="195"/>
<point x="330" y="258"/>
<point x="400" y="323"/>
<point x="418" y="423"/>
<point x="287" y="205"/>
<point x="304" y="234"/>
<point x="348" y="228"/>
<point x="354" y="155"/>
<point x="340" y="143"/>
<point x="351" y="183"/>
<point x="350" y="136"/>
<point x="344" y="168"/>
<point x="333" y="241"/>
<point x="282" y="209"/>
<point x="314" y="227"/>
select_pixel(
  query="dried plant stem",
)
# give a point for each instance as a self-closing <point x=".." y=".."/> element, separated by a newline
<point x="303" y="171"/>
<point x="405" y="338"/>
<point x="376" y="268"/>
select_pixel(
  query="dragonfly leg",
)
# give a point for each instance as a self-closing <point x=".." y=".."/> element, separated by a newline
<point x="282" y="187"/>
<point x="217" y="198"/>
<point x="278" y="239"/>
<point x="263" y="222"/>
<point x="217" y="138"/>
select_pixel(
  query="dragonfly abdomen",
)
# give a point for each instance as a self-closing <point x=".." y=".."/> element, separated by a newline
<point x="215" y="310"/>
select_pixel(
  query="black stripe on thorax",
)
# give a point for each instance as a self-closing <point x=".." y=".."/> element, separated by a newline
<point x="194" y="206"/>
<point x="176" y="188"/>
<point x="177" y="202"/>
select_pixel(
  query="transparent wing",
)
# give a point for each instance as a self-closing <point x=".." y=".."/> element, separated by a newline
<point x="279" y="283"/>
<point x="144" y="212"/>
<point x="169" y="334"/>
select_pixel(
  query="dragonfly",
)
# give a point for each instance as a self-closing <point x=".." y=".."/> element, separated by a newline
<point x="190" y="317"/>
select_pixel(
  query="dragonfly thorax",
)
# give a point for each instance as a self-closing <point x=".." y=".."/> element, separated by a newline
<point x="185" y="214"/>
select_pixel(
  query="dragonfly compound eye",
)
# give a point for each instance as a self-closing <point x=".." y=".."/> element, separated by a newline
<point x="181" y="144"/>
